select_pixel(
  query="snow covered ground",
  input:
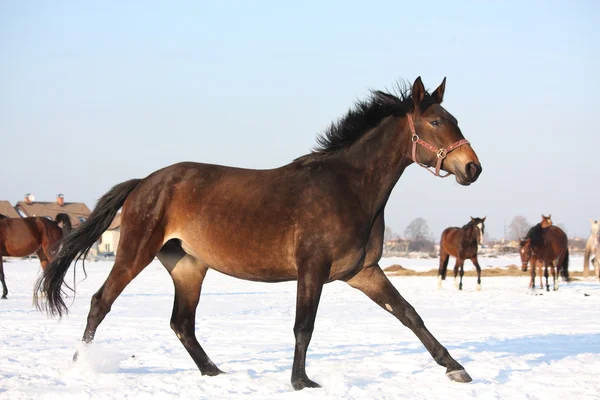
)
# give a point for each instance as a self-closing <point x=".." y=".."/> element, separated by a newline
<point x="515" y="344"/>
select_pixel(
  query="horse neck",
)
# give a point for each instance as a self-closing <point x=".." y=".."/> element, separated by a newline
<point x="471" y="232"/>
<point x="377" y="160"/>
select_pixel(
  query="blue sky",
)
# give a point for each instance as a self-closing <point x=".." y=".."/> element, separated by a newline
<point x="94" y="93"/>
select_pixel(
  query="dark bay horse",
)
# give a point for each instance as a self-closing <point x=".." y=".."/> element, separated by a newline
<point x="20" y="237"/>
<point x="548" y="246"/>
<point x="316" y="220"/>
<point x="461" y="243"/>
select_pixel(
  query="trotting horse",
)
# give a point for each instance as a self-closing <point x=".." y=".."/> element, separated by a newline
<point x="20" y="237"/>
<point x="316" y="220"/>
<point x="592" y="251"/>
<point x="461" y="243"/>
<point x="550" y="246"/>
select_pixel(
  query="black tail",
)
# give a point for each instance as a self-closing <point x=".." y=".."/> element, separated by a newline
<point x="565" y="266"/>
<point x="66" y="221"/>
<point x="76" y="245"/>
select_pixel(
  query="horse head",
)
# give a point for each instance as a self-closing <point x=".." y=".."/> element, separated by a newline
<point x="441" y="142"/>
<point x="525" y="252"/>
<point x="479" y="224"/>
<point x="546" y="221"/>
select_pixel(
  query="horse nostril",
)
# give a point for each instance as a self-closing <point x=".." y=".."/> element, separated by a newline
<point x="473" y="170"/>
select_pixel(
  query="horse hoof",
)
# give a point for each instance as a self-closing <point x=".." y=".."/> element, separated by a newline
<point x="460" y="375"/>
<point x="4" y="297"/>
<point x="300" y="384"/>
<point x="212" y="371"/>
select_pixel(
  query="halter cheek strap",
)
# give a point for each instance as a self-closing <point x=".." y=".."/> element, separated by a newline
<point x="441" y="152"/>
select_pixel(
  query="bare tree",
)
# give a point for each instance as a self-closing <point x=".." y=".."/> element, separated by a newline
<point x="417" y="229"/>
<point x="518" y="228"/>
<point x="417" y="232"/>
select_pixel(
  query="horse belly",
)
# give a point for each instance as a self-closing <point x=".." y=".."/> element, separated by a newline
<point x="18" y="246"/>
<point x="267" y="260"/>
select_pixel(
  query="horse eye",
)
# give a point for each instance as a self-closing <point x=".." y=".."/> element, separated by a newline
<point x="435" y="123"/>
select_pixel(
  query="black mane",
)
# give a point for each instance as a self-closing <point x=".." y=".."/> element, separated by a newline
<point x="473" y="223"/>
<point x="366" y="115"/>
<point x="535" y="235"/>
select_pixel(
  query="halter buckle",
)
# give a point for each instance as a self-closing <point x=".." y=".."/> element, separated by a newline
<point x="415" y="138"/>
<point x="441" y="153"/>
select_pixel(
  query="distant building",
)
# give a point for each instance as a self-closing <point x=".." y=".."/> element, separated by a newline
<point x="8" y="210"/>
<point x="77" y="212"/>
<point x="109" y="241"/>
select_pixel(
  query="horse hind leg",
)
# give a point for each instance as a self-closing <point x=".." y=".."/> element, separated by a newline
<point x="456" y="270"/>
<point x="444" y="257"/>
<point x="42" y="254"/>
<point x="187" y="274"/>
<point x="4" y="288"/>
<point x="133" y="256"/>
<point x="554" y="276"/>
<point x="546" y="276"/>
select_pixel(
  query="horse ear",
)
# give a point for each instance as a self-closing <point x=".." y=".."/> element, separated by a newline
<point x="418" y="92"/>
<point x="438" y="95"/>
<point x="483" y="219"/>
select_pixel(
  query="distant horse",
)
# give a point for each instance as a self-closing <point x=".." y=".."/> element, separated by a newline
<point x="316" y="220"/>
<point x="550" y="246"/>
<point x="592" y="250"/>
<point x="20" y="237"/>
<point x="463" y="244"/>
<point x="546" y="221"/>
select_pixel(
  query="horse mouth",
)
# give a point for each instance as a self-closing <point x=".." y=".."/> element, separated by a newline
<point x="461" y="180"/>
<point x="471" y="172"/>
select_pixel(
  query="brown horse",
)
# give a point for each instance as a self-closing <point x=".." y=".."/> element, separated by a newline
<point x="461" y="243"/>
<point x="20" y="237"/>
<point x="548" y="246"/>
<point x="546" y="221"/>
<point x="316" y="220"/>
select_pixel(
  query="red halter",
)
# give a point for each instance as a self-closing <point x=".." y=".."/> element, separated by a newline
<point x="441" y="152"/>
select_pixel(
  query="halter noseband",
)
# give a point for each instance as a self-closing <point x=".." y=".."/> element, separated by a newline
<point x="441" y="152"/>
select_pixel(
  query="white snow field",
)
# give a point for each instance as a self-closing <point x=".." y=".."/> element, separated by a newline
<point x="515" y="344"/>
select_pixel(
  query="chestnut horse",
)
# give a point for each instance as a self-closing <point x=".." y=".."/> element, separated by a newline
<point x="20" y="237"/>
<point x="546" y="221"/>
<point x="461" y="243"/>
<point x="316" y="220"/>
<point x="548" y="246"/>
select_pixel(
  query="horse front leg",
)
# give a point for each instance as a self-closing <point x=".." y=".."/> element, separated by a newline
<point x="478" y="268"/>
<point x="312" y="276"/>
<point x="546" y="276"/>
<point x="373" y="282"/>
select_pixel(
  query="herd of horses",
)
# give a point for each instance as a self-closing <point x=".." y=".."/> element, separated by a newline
<point x="544" y="247"/>
<point x="315" y="220"/>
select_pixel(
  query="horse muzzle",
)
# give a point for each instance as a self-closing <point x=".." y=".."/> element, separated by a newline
<point x="524" y="267"/>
